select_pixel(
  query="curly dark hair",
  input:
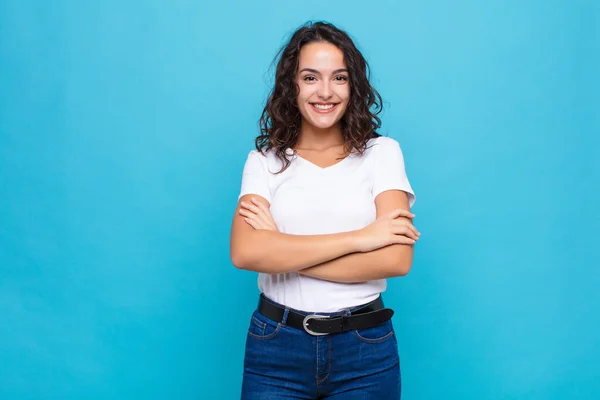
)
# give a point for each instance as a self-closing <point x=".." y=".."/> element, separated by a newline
<point x="280" y="119"/>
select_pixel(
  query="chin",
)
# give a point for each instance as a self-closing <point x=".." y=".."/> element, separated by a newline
<point x="323" y="125"/>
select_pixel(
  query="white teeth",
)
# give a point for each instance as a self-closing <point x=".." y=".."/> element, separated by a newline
<point x="324" y="107"/>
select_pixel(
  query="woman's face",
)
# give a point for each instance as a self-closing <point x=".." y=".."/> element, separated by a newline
<point x="324" y="85"/>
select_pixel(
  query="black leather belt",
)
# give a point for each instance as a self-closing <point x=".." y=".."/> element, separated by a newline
<point x="371" y="314"/>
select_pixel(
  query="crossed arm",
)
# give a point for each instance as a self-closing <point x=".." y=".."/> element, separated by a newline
<point x="330" y="257"/>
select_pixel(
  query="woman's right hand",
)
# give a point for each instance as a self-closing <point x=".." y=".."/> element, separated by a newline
<point x="386" y="230"/>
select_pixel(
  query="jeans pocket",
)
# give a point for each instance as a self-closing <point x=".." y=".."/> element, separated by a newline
<point x="262" y="327"/>
<point x="377" y="333"/>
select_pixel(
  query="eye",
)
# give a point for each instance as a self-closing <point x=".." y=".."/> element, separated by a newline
<point x="309" y="78"/>
<point x="341" y="78"/>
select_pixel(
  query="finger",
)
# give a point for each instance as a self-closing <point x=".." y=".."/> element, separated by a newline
<point x="405" y="231"/>
<point x="249" y="216"/>
<point x="251" y="222"/>
<point x="404" y="240"/>
<point x="265" y="213"/>
<point x="406" y="213"/>
<point x="258" y="220"/>
<point x="407" y="224"/>
<point x="400" y="212"/>
<point x="250" y="207"/>
<point x="262" y="206"/>
<point x="257" y="223"/>
<point x="247" y="213"/>
<point x="259" y="204"/>
<point x="258" y="214"/>
<point x="266" y="222"/>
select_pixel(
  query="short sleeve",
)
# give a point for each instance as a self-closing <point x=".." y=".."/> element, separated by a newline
<point x="389" y="171"/>
<point x="255" y="178"/>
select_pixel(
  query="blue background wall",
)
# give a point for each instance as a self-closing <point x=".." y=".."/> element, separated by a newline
<point x="124" y="127"/>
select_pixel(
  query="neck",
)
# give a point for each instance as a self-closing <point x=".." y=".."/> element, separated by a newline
<point x="317" y="138"/>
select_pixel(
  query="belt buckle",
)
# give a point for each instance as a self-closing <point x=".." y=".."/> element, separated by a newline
<point x="308" y="318"/>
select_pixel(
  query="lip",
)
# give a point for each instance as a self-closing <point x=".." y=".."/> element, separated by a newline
<point x="315" y="109"/>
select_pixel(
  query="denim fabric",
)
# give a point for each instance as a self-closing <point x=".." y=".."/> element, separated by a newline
<point x="282" y="362"/>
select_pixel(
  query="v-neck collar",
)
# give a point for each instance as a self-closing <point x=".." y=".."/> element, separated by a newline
<point x="315" y="166"/>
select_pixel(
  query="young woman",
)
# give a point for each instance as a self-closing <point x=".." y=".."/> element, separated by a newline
<point x="324" y="218"/>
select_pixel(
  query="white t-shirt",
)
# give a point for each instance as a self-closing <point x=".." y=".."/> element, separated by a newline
<point x="309" y="200"/>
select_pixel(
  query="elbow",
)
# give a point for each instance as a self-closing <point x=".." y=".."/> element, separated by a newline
<point x="247" y="251"/>
<point x="402" y="261"/>
<point x="238" y="261"/>
<point x="402" y="269"/>
<point x="241" y="260"/>
<point x="248" y="258"/>
<point x="243" y="252"/>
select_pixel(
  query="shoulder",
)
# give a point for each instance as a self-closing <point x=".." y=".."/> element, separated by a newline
<point x="255" y="160"/>
<point x="381" y="145"/>
<point x="384" y="152"/>
<point x="257" y="155"/>
<point x="264" y="156"/>
<point x="266" y="160"/>
<point x="382" y="142"/>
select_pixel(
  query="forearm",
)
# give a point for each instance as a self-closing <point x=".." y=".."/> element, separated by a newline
<point x="386" y="262"/>
<point x="275" y="252"/>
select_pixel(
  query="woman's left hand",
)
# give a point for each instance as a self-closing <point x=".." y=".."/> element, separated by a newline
<point x="257" y="215"/>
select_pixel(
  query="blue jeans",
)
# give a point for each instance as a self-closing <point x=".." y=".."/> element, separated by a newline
<point x="282" y="362"/>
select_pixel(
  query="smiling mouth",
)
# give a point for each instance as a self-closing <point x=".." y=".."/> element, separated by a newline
<point x="323" y="108"/>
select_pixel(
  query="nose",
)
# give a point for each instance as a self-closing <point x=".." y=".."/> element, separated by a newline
<point x="325" y="91"/>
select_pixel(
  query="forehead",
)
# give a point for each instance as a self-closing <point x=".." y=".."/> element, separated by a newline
<point x="321" y="54"/>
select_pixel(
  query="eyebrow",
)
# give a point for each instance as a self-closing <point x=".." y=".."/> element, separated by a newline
<point x="314" y="71"/>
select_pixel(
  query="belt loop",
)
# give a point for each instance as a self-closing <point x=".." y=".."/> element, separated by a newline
<point x="285" y="316"/>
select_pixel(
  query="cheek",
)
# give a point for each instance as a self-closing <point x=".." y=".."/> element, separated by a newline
<point x="301" y="100"/>
<point x="345" y="94"/>
<point x="345" y="97"/>
<point x="304" y="92"/>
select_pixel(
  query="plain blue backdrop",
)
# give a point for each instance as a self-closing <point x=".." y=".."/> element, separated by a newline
<point x="124" y="127"/>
